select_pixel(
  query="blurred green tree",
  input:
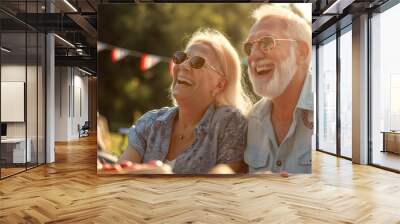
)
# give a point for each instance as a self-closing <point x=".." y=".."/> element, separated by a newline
<point x="124" y="91"/>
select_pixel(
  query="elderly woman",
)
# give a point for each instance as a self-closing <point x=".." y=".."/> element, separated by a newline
<point x="206" y="131"/>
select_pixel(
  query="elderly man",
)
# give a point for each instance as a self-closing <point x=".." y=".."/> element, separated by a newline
<point x="281" y="123"/>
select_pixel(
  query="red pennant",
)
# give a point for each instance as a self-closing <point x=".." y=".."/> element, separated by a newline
<point x="147" y="61"/>
<point x="113" y="55"/>
<point x="118" y="54"/>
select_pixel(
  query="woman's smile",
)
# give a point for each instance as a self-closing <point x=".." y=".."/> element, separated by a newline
<point x="182" y="80"/>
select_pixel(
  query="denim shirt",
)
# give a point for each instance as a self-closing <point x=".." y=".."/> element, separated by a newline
<point x="220" y="137"/>
<point x="294" y="153"/>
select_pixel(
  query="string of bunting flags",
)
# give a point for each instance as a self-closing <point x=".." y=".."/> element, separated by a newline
<point x="147" y="61"/>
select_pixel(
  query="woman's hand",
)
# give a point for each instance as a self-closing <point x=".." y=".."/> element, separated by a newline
<point x="221" y="169"/>
<point x="127" y="167"/>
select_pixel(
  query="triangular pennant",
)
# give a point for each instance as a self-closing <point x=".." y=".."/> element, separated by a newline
<point x="147" y="61"/>
<point x="101" y="46"/>
<point x="118" y="54"/>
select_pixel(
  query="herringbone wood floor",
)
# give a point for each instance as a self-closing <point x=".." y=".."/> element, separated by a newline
<point x="69" y="191"/>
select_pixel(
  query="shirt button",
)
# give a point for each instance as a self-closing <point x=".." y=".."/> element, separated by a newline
<point x="279" y="163"/>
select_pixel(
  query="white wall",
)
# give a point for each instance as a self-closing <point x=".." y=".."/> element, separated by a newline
<point x="16" y="73"/>
<point x="71" y="94"/>
<point x="12" y="100"/>
<point x="33" y="127"/>
<point x="61" y="103"/>
<point x="13" y="72"/>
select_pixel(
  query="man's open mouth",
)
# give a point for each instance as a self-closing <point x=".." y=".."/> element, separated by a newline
<point x="264" y="69"/>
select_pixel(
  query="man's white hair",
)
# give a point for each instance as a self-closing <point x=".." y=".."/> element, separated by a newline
<point x="298" y="19"/>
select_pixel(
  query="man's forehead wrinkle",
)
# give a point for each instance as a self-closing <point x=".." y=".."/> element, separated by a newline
<point x="269" y="25"/>
<point x="273" y="22"/>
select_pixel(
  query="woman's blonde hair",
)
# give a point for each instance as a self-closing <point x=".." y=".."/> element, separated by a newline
<point x="234" y="94"/>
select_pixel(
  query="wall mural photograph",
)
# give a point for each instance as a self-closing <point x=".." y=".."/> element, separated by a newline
<point x="204" y="89"/>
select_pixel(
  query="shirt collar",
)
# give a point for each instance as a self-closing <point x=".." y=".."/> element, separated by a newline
<point x="306" y="100"/>
<point x="205" y="121"/>
<point x="261" y="109"/>
<point x="168" y="115"/>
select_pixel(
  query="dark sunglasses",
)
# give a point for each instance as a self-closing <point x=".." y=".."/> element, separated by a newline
<point x="265" y="43"/>
<point x="196" y="62"/>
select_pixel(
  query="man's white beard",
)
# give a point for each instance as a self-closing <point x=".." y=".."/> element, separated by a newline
<point x="281" y="78"/>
